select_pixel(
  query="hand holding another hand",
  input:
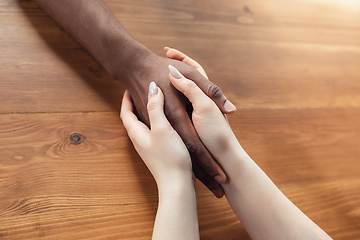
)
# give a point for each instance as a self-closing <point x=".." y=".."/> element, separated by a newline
<point x="168" y="159"/>
<point x="254" y="198"/>
<point x="161" y="148"/>
<point x="150" y="67"/>
<point x="209" y="122"/>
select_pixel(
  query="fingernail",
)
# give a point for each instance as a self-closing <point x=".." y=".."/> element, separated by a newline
<point x="153" y="89"/>
<point x="175" y="72"/>
<point x="166" y="49"/>
<point x="217" y="193"/>
<point x="229" y="107"/>
<point x="219" y="179"/>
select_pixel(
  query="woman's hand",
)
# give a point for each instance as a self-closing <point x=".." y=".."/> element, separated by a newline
<point x="161" y="148"/>
<point x="210" y="123"/>
<point x="168" y="159"/>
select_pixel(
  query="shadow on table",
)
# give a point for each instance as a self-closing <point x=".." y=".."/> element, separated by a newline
<point x="76" y="57"/>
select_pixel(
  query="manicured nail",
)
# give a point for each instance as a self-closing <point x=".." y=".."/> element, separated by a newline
<point x="229" y="107"/>
<point x="166" y="49"/>
<point x="153" y="89"/>
<point x="219" y="179"/>
<point x="175" y="72"/>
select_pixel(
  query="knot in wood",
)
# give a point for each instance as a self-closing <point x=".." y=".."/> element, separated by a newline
<point x="76" y="138"/>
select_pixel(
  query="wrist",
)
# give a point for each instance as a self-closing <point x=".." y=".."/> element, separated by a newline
<point x="131" y="60"/>
<point x="175" y="183"/>
<point x="235" y="160"/>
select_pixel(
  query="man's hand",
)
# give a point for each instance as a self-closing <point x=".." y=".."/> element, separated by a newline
<point x="93" y="26"/>
<point x="151" y="67"/>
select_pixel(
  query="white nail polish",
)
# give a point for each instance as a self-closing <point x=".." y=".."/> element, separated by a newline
<point x="175" y="72"/>
<point x="153" y="89"/>
<point x="229" y="107"/>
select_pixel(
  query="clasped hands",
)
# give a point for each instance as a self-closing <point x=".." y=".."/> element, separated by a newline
<point x="160" y="146"/>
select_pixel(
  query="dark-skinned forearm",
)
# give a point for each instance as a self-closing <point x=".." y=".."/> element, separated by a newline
<point x="93" y="26"/>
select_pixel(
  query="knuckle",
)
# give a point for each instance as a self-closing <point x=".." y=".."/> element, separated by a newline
<point x="208" y="167"/>
<point x="190" y="88"/>
<point x="191" y="85"/>
<point x="193" y="149"/>
<point x="213" y="91"/>
<point x="151" y="106"/>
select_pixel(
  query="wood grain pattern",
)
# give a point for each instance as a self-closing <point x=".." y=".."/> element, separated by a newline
<point x="286" y="41"/>
<point x="291" y="67"/>
<point x="97" y="188"/>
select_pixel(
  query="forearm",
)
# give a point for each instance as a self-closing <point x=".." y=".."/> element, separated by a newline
<point x="93" y="25"/>
<point x="264" y="211"/>
<point x="176" y="218"/>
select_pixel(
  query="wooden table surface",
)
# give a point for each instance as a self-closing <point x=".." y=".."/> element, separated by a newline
<point x="291" y="67"/>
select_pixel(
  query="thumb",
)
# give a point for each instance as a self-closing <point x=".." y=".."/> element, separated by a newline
<point x="196" y="96"/>
<point x="155" y="107"/>
<point x="212" y="91"/>
<point x="173" y="53"/>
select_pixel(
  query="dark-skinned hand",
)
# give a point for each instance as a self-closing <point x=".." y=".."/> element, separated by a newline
<point x="155" y="68"/>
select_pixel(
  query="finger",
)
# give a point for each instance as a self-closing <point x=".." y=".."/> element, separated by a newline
<point x="196" y="95"/>
<point x="199" y="154"/>
<point x="136" y="129"/>
<point x="177" y="55"/>
<point x="155" y="108"/>
<point x="208" y="181"/>
<point x="213" y="91"/>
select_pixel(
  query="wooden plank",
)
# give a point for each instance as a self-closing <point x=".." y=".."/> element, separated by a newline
<point x="310" y="138"/>
<point x="100" y="187"/>
<point x="55" y="189"/>
<point x="309" y="21"/>
<point x="291" y="67"/>
<point x="44" y="70"/>
<point x="291" y="55"/>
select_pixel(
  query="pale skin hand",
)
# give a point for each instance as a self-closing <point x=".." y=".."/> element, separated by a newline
<point x="207" y="115"/>
<point x="167" y="158"/>
<point x="261" y="207"/>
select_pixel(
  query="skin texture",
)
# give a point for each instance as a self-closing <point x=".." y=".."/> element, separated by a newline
<point x="93" y="26"/>
<point x="264" y="211"/>
<point x="167" y="158"/>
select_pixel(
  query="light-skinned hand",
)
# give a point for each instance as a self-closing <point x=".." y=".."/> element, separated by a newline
<point x="209" y="122"/>
<point x="160" y="147"/>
